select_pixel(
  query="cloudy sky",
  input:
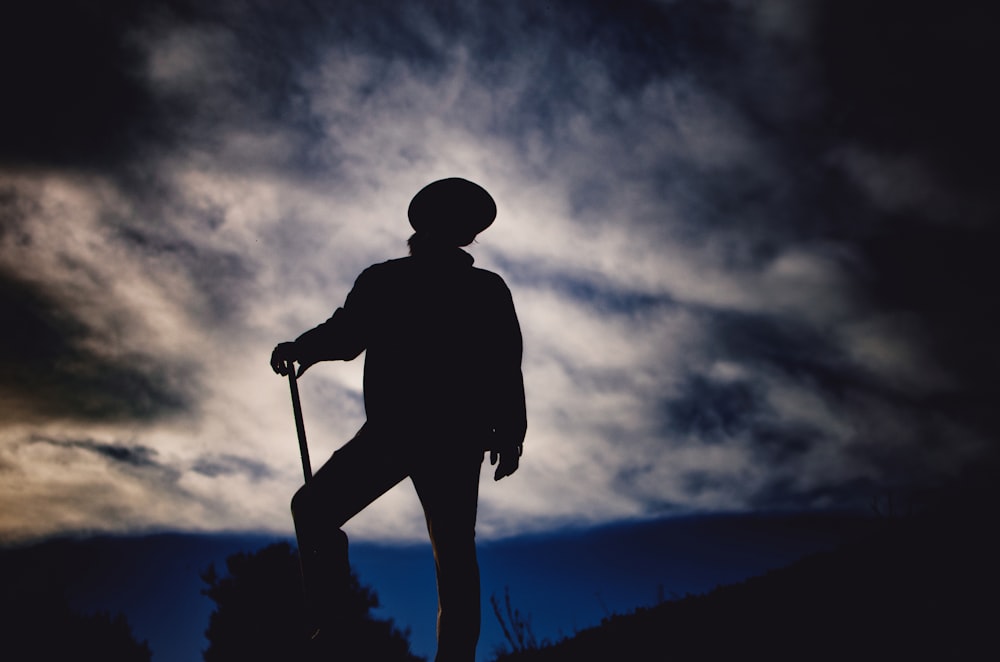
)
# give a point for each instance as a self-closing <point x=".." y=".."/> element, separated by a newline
<point x="749" y="243"/>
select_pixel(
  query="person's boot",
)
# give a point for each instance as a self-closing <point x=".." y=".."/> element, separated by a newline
<point x="326" y="576"/>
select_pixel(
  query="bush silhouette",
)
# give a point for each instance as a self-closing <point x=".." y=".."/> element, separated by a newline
<point x="36" y="619"/>
<point x="43" y="627"/>
<point x="260" y="615"/>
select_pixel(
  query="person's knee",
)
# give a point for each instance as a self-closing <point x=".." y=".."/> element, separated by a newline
<point x="301" y="502"/>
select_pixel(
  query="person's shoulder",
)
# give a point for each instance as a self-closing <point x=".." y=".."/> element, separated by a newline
<point x="486" y="274"/>
<point x="490" y="278"/>
<point x="381" y="275"/>
<point x="388" y="267"/>
<point x="394" y="263"/>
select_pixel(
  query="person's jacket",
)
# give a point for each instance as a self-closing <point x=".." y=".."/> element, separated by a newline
<point x="443" y="347"/>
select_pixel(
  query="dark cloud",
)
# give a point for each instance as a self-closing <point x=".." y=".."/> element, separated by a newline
<point x="909" y="84"/>
<point x="223" y="278"/>
<point x="601" y="296"/>
<point x="697" y="482"/>
<point x="912" y="80"/>
<point x="225" y="465"/>
<point x="943" y="274"/>
<point x="780" y="445"/>
<point x="76" y="77"/>
<point x="713" y="411"/>
<point x="72" y="94"/>
<point x="137" y="456"/>
<point x="47" y="371"/>
<point x="781" y="492"/>
<point x="915" y="78"/>
<point x="901" y="88"/>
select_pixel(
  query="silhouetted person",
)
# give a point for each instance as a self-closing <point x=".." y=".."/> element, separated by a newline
<point x="442" y="386"/>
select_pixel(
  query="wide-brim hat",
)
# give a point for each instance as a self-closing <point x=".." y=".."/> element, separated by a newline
<point x="453" y="208"/>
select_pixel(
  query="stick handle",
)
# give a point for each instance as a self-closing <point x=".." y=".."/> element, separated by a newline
<point x="300" y="427"/>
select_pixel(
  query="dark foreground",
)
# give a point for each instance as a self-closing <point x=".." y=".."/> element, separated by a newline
<point x="916" y="588"/>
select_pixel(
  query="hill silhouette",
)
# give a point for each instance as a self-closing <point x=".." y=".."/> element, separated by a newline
<point x="914" y="588"/>
<point x="38" y="623"/>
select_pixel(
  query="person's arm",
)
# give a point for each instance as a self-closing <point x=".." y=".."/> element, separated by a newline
<point x="512" y="421"/>
<point x="342" y="337"/>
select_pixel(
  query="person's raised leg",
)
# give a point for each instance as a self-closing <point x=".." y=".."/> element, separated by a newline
<point x="354" y="476"/>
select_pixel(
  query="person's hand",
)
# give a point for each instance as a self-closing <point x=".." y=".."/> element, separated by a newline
<point x="509" y="458"/>
<point x="283" y="357"/>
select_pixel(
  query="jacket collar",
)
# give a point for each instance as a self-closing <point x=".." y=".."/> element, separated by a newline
<point x="445" y="257"/>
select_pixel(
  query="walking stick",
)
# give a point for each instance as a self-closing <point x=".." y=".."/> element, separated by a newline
<point x="300" y="427"/>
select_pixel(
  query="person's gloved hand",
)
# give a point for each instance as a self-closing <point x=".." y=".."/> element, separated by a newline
<point x="283" y="356"/>
<point x="509" y="458"/>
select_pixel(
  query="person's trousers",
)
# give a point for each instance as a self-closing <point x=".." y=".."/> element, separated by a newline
<point x="445" y="473"/>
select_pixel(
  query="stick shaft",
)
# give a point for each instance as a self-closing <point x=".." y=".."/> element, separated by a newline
<point x="300" y="427"/>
